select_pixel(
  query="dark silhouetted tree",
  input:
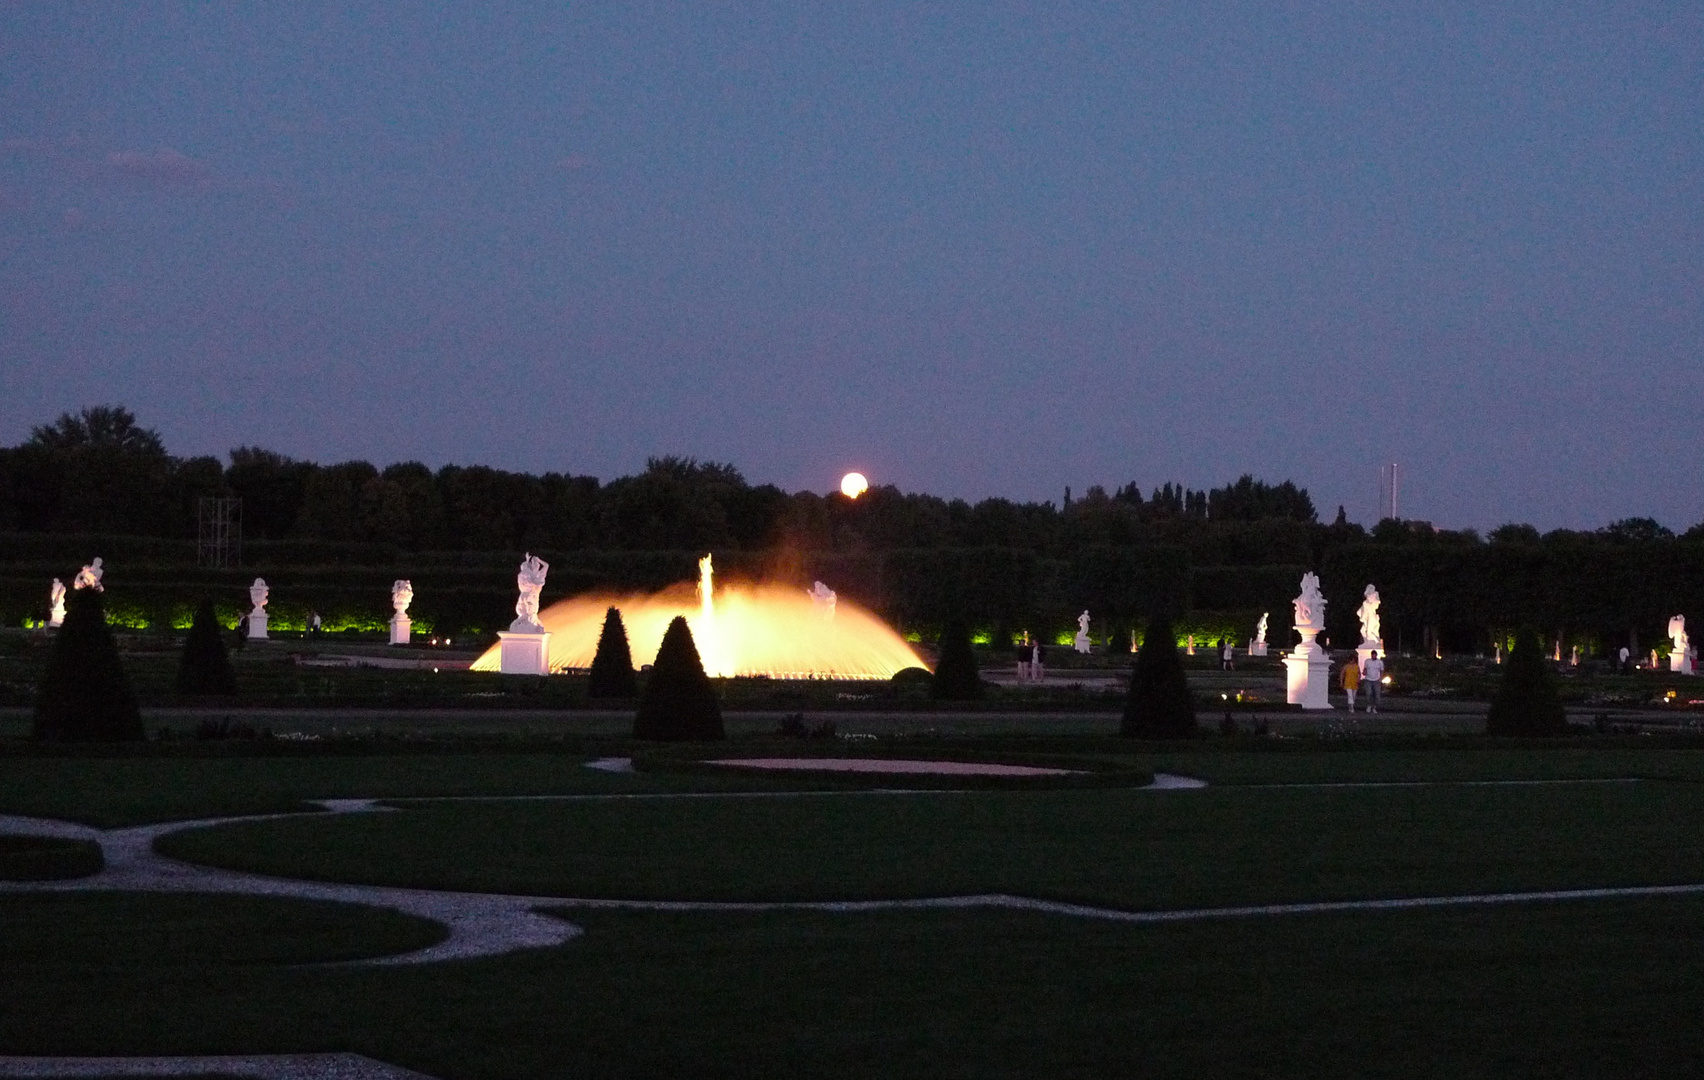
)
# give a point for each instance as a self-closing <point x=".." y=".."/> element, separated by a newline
<point x="612" y="667"/>
<point x="1160" y="705"/>
<point x="956" y="677"/>
<point x="205" y="667"/>
<point x="85" y="693"/>
<point x="1526" y="702"/>
<point x="678" y="702"/>
<point x="103" y="425"/>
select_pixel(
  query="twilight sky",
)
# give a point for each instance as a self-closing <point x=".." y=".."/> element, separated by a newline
<point x="970" y="249"/>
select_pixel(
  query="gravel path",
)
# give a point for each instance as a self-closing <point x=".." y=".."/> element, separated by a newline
<point x="480" y="924"/>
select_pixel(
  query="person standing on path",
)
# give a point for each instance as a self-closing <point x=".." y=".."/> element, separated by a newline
<point x="1371" y="672"/>
<point x="1351" y="680"/>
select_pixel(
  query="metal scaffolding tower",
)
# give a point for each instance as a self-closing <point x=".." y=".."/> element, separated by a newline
<point x="219" y="531"/>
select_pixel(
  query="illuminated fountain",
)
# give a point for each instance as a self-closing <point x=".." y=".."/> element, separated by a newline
<point x="774" y="630"/>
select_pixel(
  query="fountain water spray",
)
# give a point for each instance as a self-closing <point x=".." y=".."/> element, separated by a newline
<point x="742" y="629"/>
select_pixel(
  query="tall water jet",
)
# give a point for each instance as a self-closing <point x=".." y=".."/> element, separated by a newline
<point x="783" y="632"/>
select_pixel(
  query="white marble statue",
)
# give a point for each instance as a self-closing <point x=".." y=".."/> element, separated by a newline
<point x="90" y="576"/>
<point x="824" y="598"/>
<point x="524" y="648"/>
<point x="1081" y="641"/>
<point x="56" y="603"/>
<point x="1680" y="652"/>
<point x="401" y="626"/>
<point x="1371" y="639"/>
<point x="530" y="580"/>
<point x="258" y="592"/>
<point x="1257" y="647"/>
<point x="1310" y="608"/>
<point x="1307" y="669"/>
<point x="1368" y="613"/>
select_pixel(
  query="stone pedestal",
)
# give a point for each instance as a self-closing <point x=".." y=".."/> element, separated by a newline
<point x="1257" y="648"/>
<point x="523" y="652"/>
<point x="1307" y="676"/>
<point x="1366" y="649"/>
<point x="1680" y="662"/>
<point x="401" y="627"/>
<point x="257" y="626"/>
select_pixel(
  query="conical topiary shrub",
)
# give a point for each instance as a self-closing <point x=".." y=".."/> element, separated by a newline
<point x="956" y="677"/>
<point x="1526" y="702"/>
<point x="1160" y="705"/>
<point x="612" y="667"/>
<point x="205" y="667"/>
<point x="678" y="702"/>
<point x="85" y="693"/>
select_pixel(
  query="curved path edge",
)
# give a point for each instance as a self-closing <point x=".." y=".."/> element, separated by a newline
<point x="492" y="924"/>
<point x="479" y="924"/>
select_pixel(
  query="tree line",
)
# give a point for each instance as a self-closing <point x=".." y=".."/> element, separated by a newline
<point x="100" y="472"/>
<point x="917" y="558"/>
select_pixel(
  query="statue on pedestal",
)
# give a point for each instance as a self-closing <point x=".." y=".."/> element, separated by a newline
<point x="258" y="592"/>
<point x="530" y="581"/>
<point x="525" y="647"/>
<point x="90" y="576"/>
<point x="1081" y="641"/>
<point x="1257" y="647"/>
<point x="1680" y="651"/>
<point x="402" y="594"/>
<point x="1372" y="640"/>
<point x="1368" y="613"/>
<point x="1307" y="679"/>
<point x="1310" y="609"/>
<point x="56" y="603"/>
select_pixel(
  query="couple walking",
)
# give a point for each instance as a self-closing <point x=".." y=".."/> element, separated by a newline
<point x="1355" y="672"/>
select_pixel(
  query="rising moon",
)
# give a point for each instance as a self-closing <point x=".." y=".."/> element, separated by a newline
<point x="853" y="485"/>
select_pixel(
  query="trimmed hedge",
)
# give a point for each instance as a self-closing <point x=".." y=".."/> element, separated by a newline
<point x="612" y="674"/>
<point x="678" y="702"/>
<point x="1160" y="705"/>
<point x="85" y="694"/>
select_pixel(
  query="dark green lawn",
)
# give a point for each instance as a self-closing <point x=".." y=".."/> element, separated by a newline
<point x="1563" y="990"/>
<point x="1138" y="849"/>
<point x="86" y="936"/>
<point x="1579" y="989"/>
<point x="1293" y="763"/>
<point x="116" y="791"/>
<point x="168" y="783"/>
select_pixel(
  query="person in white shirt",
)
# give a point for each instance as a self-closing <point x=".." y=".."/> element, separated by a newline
<point x="1372" y="671"/>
